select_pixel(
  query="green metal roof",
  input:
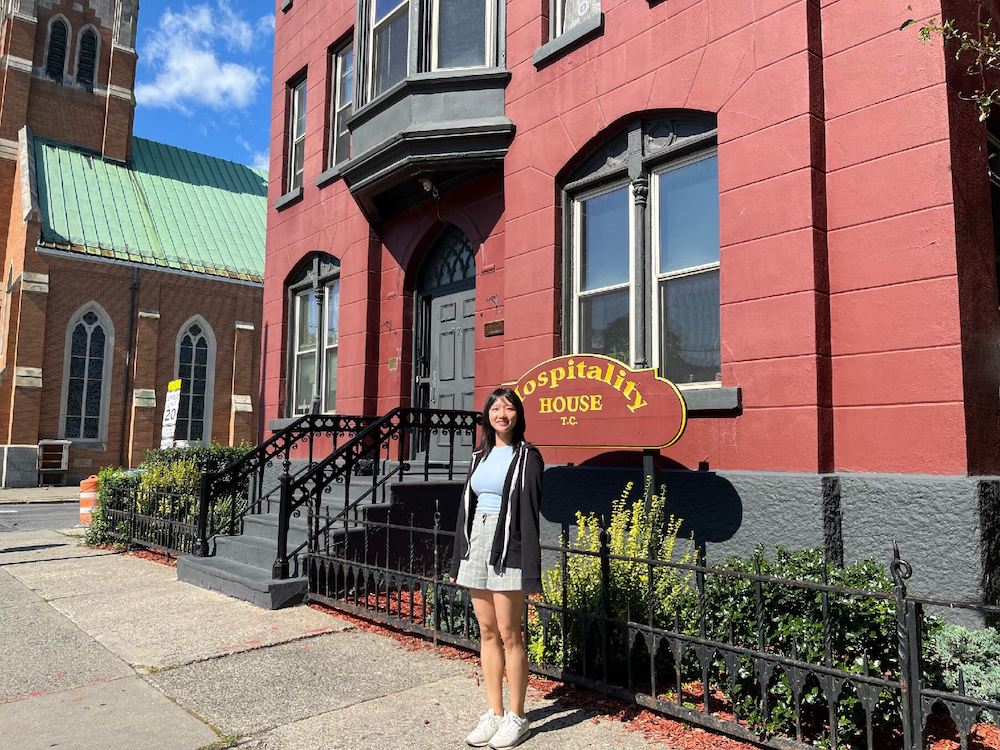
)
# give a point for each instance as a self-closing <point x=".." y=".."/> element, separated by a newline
<point x="168" y="207"/>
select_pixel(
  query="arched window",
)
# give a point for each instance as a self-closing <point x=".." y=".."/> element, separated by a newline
<point x="642" y="283"/>
<point x="55" y="52"/>
<point x="87" y="374"/>
<point x="196" y="369"/>
<point x="313" y="336"/>
<point x="86" y="58"/>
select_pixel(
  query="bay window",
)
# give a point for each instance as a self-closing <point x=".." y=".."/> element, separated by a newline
<point x="463" y="33"/>
<point x="389" y="43"/>
<point x="643" y="221"/>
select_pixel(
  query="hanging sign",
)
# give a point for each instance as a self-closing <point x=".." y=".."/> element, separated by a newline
<point x="170" y="407"/>
<point x="594" y="401"/>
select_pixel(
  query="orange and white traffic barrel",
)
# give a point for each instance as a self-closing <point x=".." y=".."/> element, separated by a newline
<point x="88" y="499"/>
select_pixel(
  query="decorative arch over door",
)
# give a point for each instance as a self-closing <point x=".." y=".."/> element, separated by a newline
<point x="444" y="362"/>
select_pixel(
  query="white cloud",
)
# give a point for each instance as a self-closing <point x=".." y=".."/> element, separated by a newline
<point x="260" y="160"/>
<point x="186" y="52"/>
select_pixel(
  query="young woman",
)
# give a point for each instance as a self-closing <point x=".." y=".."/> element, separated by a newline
<point x="497" y="556"/>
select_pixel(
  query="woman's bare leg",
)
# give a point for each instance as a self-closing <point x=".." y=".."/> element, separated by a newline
<point x="491" y="653"/>
<point x="509" y="608"/>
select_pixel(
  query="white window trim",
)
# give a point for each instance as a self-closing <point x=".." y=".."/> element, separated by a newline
<point x="48" y="39"/>
<point x="293" y="118"/>
<point x="577" y="202"/>
<point x="654" y="248"/>
<point x="297" y="351"/>
<point x="370" y="52"/>
<point x="109" y="355"/>
<point x="489" y="47"/>
<point x="339" y="113"/>
<point x="97" y="53"/>
<point x="325" y="407"/>
<point x="206" y="431"/>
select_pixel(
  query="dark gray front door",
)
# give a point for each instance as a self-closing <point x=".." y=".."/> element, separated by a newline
<point x="453" y="318"/>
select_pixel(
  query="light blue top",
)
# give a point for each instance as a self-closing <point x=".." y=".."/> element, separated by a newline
<point x="489" y="477"/>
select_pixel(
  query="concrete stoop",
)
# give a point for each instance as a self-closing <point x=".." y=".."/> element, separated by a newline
<point x="241" y="581"/>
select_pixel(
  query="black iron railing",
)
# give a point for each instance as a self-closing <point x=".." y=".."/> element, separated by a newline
<point x="244" y="487"/>
<point x="419" y="444"/>
<point x="696" y="663"/>
<point x="152" y="518"/>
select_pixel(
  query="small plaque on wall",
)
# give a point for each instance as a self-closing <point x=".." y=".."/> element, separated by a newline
<point x="393" y="364"/>
<point x="493" y="328"/>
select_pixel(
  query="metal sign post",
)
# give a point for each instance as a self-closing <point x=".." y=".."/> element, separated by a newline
<point x="170" y="408"/>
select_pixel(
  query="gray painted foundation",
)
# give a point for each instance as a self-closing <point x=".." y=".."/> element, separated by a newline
<point x="19" y="465"/>
<point x="947" y="528"/>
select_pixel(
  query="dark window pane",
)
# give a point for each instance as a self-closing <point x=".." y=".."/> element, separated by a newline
<point x="198" y="387"/>
<point x="199" y="372"/>
<point x="689" y="216"/>
<point x="330" y="380"/>
<point x="390" y="40"/>
<point x="346" y="77"/>
<point x="604" y="324"/>
<point x="605" y="255"/>
<point x="88" y="58"/>
<point x="77" y="367"/>
<point x="73" y="427"/>
<point x="183" y="406"/>
<point x="342" y="145"/>
<point x="97" y="342"/>
<point x="74" y="400"/>
<point x="91" y="428"/>
<point x="332" y="313"/>
<point x="79" y="345"/>
<point x="90" y="318"/>
<point x="383" y="8"/>
<point x="55" y="63"/>
<point x="197" y="407"/>
<point x="690" y="328"/>
<point x="93" y="398"/>
<point x="197" y="431"/>
<point x="461" y="33"/>
<point x="195" y="330"/>
<point x="184" y="373"/>
<point x="95" y="368"/>
<point x="201" y="353"/>
<point x="186" y="349"/>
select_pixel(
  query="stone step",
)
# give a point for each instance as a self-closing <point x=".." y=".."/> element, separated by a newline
<point x="255" y="551"/>
<point x="241" y="581"/>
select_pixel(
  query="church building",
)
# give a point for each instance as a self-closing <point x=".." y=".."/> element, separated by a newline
<point x="126" y="263"/>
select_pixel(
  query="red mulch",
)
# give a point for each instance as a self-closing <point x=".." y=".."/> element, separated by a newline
<point x="941" y="735"/>
<point x="162" y="558"/>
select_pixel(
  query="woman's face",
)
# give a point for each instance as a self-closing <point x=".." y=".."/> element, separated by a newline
<point x="503" y="417"/>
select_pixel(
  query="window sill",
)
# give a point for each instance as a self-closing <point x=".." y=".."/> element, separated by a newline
<point x="712" y="401"/>
<point x="276" y="425"/>
<point x="292" y="196"/>
<point x="286" y="5"/>
<point x="328" y="176"/>
<point x="556" y="48"/>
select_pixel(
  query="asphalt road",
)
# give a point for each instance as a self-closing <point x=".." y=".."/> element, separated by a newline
<point x="39" y="516"/>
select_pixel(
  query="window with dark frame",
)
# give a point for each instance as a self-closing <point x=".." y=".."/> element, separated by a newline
<point x="341" y="103"/>
<point x="645" y="237"/>
<point x="85" y="384"/>
<point x="87" y="61"/>
<point x="55" y="59"/>
<point x="296" y="129"/>
<point x="194" y="366"/>
<point x="314" y="337"/>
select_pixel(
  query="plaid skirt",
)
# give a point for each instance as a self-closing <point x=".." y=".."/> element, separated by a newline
<point x="476" y="572"/>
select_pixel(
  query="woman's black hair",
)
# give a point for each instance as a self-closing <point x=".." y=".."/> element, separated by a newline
<point x="489" y="439"/>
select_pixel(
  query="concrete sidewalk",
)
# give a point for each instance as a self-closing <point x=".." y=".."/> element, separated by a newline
<point x="102" y="650"/>
<point x="40" y="495"/>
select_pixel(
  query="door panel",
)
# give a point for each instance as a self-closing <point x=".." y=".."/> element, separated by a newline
<point x="452" y="360"/>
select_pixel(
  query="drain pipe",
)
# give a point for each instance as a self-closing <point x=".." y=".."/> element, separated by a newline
<point x="129" y="352"/>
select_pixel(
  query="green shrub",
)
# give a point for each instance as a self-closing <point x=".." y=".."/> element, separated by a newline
<point x="633" y="533"/>
<point x="860" y="627"/>
<point x="208" y="458"/>
<point x="101" y="530"/>
<point x="974" y="653"/>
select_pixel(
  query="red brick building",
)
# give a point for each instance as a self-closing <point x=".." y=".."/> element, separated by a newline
<point x="782" y="204"/>
<point x="126" y="263"/>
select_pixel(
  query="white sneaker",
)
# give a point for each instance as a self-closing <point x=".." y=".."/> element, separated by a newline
<point x="513" y="730"/>
<point x="488" y="724"/>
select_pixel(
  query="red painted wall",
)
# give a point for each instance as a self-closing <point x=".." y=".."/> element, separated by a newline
<point x="847" y="318"/>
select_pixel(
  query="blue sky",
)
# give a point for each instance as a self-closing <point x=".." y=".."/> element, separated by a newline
<point x="204" y="76"/>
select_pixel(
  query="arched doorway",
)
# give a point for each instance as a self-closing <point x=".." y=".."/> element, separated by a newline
<point x="444" y="365"/>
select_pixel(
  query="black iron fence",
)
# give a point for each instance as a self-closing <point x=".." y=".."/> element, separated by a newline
<point x="150" y="517"/>
<point x="779" y="662"/>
